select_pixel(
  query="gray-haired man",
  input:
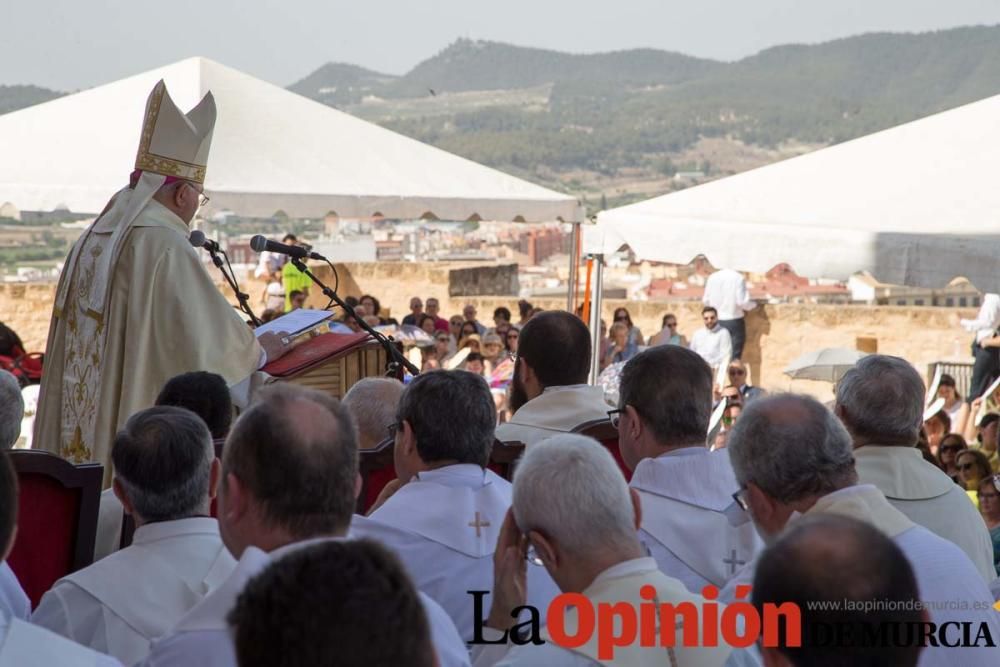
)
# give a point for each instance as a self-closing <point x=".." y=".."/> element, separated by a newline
<point x="165" y="476"/>
<point x="792" y="456"/>
<point x="881" y="402"/>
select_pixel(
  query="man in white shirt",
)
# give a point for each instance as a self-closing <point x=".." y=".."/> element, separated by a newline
<point x="880" y="401"/>
<point x="289" y="479"/>
<point x="987" y="359"/>
<point x="21" y="643"/>
<point x="686" y="491"/>
<point x="549" y="392"/>
<point x="347" y="602"/>
<point x="793" y="457"/>
<point x="714" y="344"/>
<point x="726" y="291"/>
<point x="573" y="509"/>
<point x="829" y="559"/>
<point x="444" y="519"/>
<point x="165" y="476"/>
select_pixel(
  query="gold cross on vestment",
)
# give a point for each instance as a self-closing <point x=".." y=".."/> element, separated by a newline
<point x="732" y="562"/>
<point x="477" y="524"/>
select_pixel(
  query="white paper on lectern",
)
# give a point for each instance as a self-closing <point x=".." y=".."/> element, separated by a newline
<point x="294" y="322"/>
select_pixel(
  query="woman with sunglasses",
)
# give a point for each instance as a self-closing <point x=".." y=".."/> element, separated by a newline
<point x="972" y="469"/>
<point x="668" y="334"/>
<point x="510" y="340"/>
<point x="989" y="507"/>
<point x="634" y="334"/>
<point x="948" y="451"/>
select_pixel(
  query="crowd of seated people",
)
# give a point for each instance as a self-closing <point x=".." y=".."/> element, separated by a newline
<point x="272" y="554"/>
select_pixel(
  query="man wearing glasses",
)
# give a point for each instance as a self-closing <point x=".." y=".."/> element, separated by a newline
<point x="134" y="306"/>
<point x="690" y="524"/>
<point x="737" y="373"/>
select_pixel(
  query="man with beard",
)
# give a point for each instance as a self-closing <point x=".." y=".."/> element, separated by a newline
<point x="549" y="393"/>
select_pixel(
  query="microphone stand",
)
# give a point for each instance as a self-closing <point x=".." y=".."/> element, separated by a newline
<point x="397" y="361"/>
<point x="242" y="297"/>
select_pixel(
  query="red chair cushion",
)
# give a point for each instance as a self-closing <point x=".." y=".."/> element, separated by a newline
<point x="612" y="446"/>
<point x="46" y="533"/>
<point x="377" y="479"/>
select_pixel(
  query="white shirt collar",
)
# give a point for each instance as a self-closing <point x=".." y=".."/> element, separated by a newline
<point x="565" y="387"/>
<point x="693" y="450"/>
<point x="161" y="530"/>
<point x="625" y="569"/>
<point x="460" y="474"/>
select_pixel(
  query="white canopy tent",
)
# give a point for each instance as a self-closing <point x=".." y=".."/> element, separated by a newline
<point x="916" y="205"/>
<point x="273" y="150"/>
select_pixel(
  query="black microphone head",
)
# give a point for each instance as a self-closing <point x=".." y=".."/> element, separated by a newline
<point x="258" y="243"/>
<point x="197" y="238"/>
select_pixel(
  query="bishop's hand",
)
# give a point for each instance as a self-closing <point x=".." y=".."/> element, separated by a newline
<point x="275" y="345"/>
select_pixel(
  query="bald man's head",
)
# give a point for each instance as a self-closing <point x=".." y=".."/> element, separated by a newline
<point x="296" y="453"/>
<point x="372" y="403"/>
<point x="835" y="558"/>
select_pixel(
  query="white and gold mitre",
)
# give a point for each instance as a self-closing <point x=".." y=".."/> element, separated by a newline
<point x="173" y="143"/>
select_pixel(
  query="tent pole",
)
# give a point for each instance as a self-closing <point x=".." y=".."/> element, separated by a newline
<point x="574" y="268"/>
<point x="597" y="295"/>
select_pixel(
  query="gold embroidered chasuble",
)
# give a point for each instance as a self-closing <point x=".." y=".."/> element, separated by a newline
<point x="164" y="316"/>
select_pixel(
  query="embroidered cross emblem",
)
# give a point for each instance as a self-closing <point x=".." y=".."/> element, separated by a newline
<point x="732" y="562"/>
<point x="477" y="524"/>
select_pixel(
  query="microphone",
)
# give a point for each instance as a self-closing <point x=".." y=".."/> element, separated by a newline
<point x="261" y="243"/>
<point x="198" y="240"/>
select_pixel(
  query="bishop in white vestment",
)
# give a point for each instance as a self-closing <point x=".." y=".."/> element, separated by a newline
<point x="202" y="638"/>
<point x="134" y="306"/>
<point x="690" y="523"/>
<point x="121" y="603"/>
<point x="443" y="525"/>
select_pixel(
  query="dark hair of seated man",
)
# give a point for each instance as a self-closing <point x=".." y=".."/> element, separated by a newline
<point x="337" y="603"/>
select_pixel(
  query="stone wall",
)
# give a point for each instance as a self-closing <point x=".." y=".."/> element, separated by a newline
<point x="776" y="333"/>
<point x="484" y="280"/>
<point x="27" y="308"/>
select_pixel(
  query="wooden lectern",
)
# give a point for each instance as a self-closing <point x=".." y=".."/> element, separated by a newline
<point x="330" y="362"/>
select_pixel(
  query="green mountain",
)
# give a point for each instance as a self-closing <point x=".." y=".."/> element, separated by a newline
<point x="17" y="97"/>
<point x="339" y="83"/>
<point x="570" y="119"/>
<point x="539" y="112"/>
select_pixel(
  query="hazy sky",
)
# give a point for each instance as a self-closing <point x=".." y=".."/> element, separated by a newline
<point x="70" y="44"/>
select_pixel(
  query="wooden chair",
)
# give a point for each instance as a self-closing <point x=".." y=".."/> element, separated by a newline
<point x="128" y="524"/>
<point x="504" y="457"/>
<point x="56" y="518"/>
<point x="604" y="432"/>
<point x="377" y="469"/>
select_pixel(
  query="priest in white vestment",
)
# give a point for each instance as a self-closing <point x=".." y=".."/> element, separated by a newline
<point x="549" y="392"/>
<point x="21" y="643"/>
<point x="575" y="511"/>
<point x="792" y="457"/>
<point x="443" y="522"/>
<point x="135" y="306"/>
<point x="25" y="645"/>
<point x="880" y="401"/>
<point x="691" y="525"/>
<point x="165" y="475"/>
<point x="290" y="478"/>
<point x="14" y="602"/>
